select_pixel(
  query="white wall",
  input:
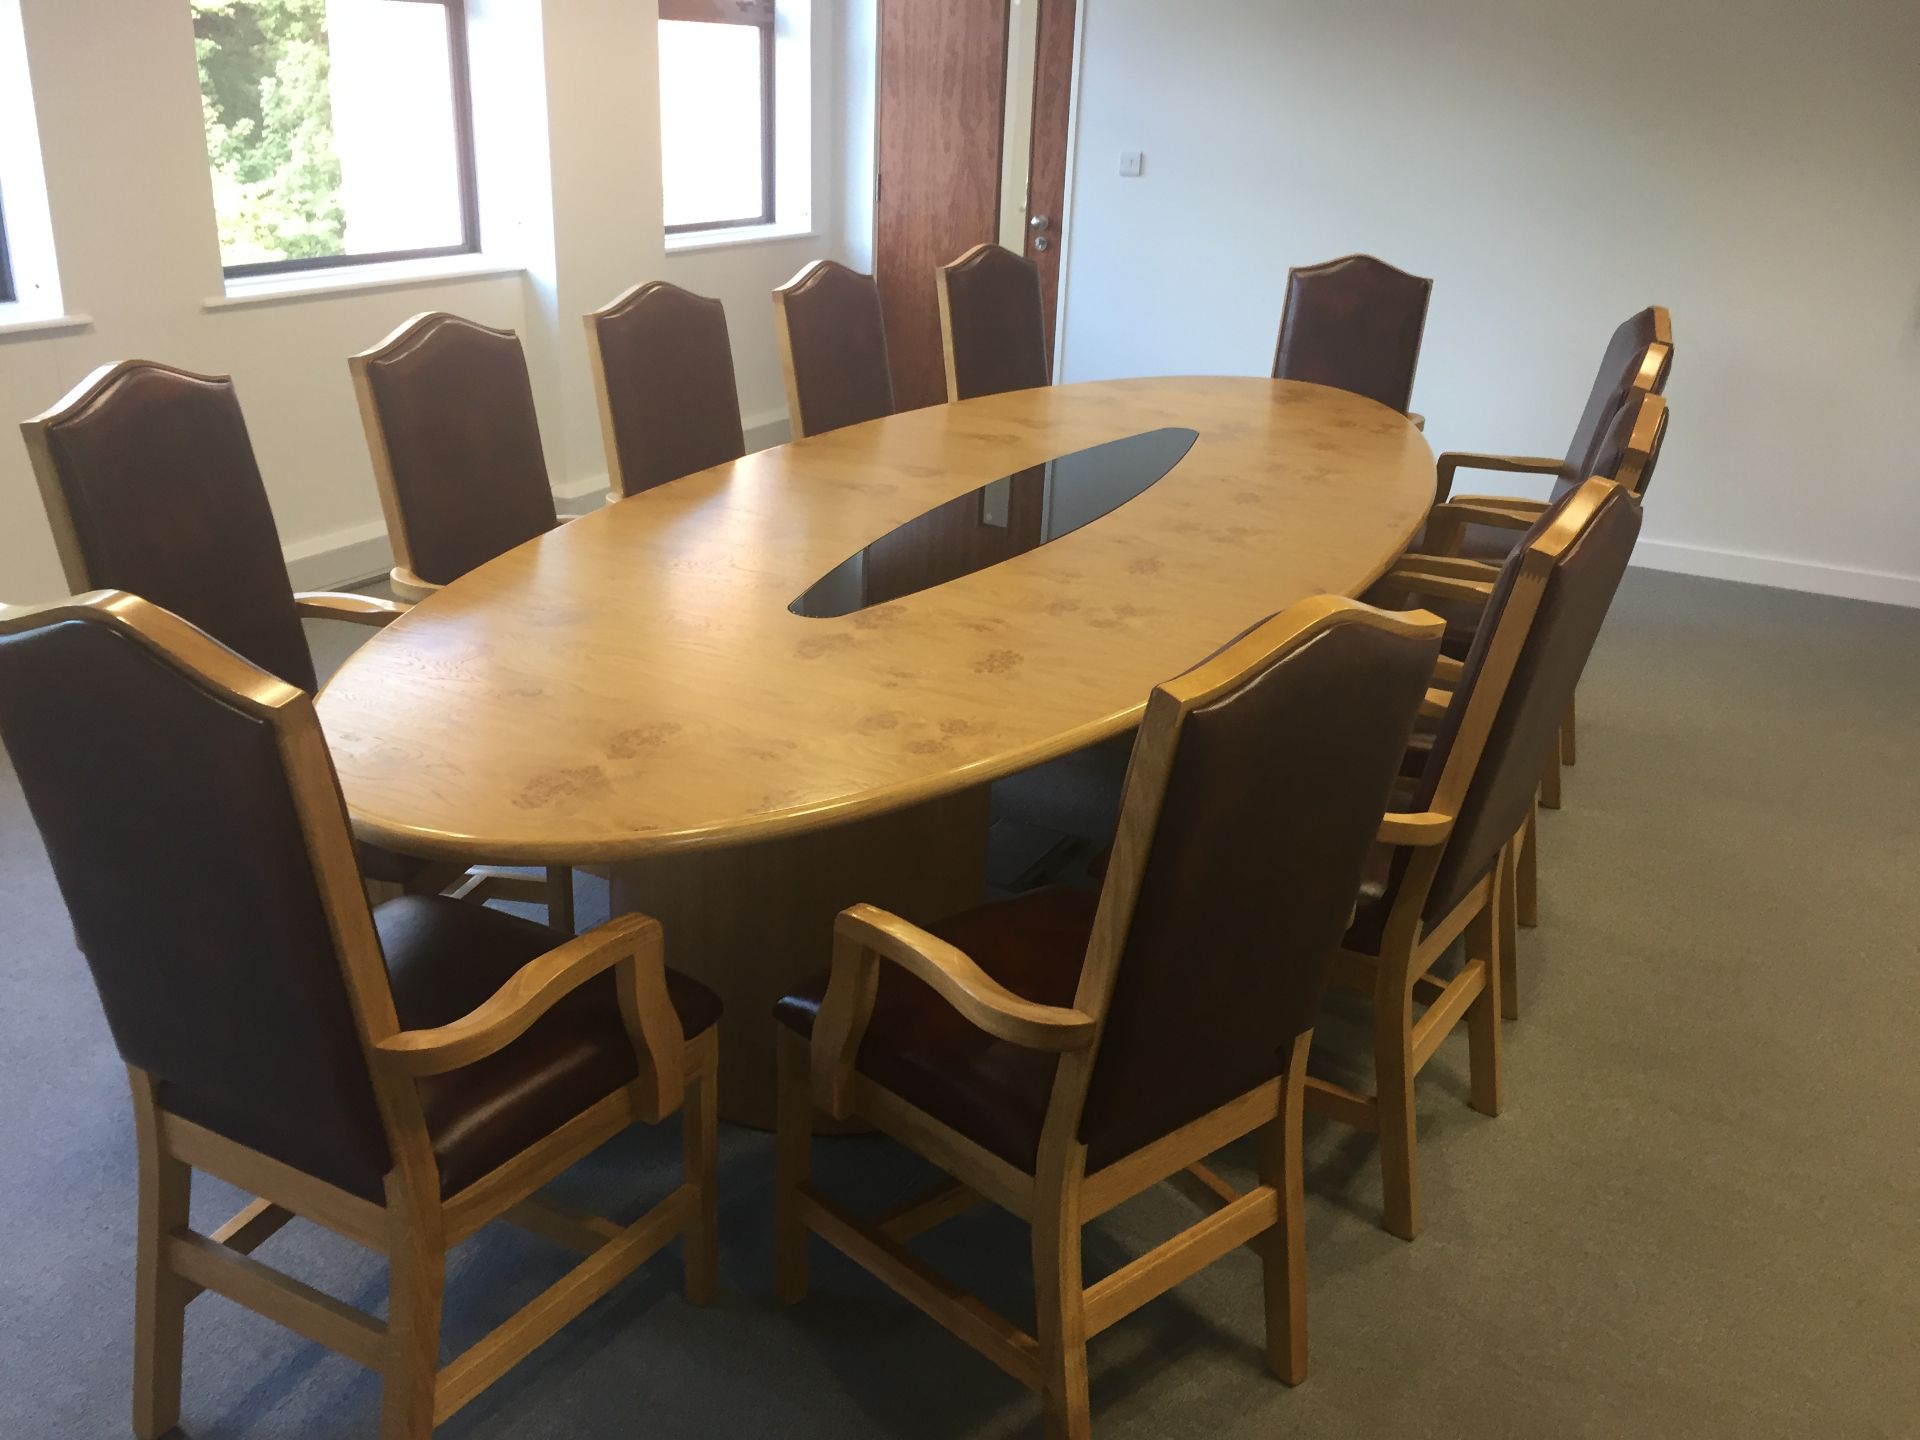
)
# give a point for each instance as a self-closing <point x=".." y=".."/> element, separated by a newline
<point x="118" y="104"/>
<point x="1554" y="167"/>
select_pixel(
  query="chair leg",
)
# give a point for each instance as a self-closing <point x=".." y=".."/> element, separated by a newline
<point x="417" y="1269"/>
<point x="1527" y="880"/>
<point x="1568" y="744"/>
<point x="160" y="1296"/>
<point x="1393" y="1070"/>
<point x="560" y="897"/>
<point x="1508" y="933"/>
<point x="793" y="1164"/>
<point x="1483" y="1016"/>
<point x="1283" y="1249"/>
<point x="699" y="1142"/>
<point x="1550" y="783"/>
<point x="1060" y="1312"/>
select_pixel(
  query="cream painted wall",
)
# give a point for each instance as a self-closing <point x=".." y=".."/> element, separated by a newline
<point x="1554" y="167"/>
<point x="118" y="105"/>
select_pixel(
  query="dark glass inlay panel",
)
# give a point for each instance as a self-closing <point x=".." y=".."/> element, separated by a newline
<point x="1008" y="517"/>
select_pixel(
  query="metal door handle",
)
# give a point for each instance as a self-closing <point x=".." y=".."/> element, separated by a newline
<point x="1038" y="222"/>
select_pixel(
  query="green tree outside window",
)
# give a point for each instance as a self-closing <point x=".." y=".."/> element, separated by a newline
<point x="269" y="117"/>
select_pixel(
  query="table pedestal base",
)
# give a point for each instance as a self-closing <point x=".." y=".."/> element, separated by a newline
<point x="754" y="921"/>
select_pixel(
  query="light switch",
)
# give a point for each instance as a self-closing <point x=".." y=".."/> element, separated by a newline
<point x="1131" y="162"/>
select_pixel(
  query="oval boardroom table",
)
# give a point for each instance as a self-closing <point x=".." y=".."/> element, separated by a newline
<point x="632" y="691"/>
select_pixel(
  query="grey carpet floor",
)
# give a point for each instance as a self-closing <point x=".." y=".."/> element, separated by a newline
<point x="1699" y="1215"/>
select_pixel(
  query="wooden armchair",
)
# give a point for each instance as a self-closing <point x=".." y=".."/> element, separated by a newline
<point x="450" y="421"/>
<point x="401" y="1076"/>
<point x="1451" y="575"/>
<point x="1063" y="1051"/>
<point x="1639" y="357"/>
<point x="150" y="486"/>
<point x="1354" y="323"/>
<point x="663" y="370"/>
<point x="1444" y="869"/>
<point x="833" y="348"/>
<point x="993" y="328"/>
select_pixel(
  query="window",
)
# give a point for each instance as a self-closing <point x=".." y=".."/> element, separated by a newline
<point x="716" y="113"/>
<point x="339" y="131"/>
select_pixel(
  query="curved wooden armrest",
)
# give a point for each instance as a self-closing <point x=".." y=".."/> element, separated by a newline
<point x="1435" y="703"/>
<point x="354" y="609"/>
<point x="863" y="935"/>
<point x="1512" y="504"/>
<point x="1447" y="670"/>
<point x="1452" y="567"/>
<point x="1453" y="460"/>
<point x="1446" y="587"/>
<point x="534" y="989"/>
<point x="1449" y="514"/>
<point x="1426" y="827"/>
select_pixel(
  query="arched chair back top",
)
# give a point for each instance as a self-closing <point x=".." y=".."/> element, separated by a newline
<point x="833" y="348"/>
<point x="1354" y="323"/>
<point x="992" y="323"/>
<point x="195" y="827"/>
<point x="1503" y="727"/>
<point x="663" y="369"/>
<point x="1639" y="356"/>
<point x="1254" y="794"/>
<point x="150" y="485"/>
<point x="448" y="409"/>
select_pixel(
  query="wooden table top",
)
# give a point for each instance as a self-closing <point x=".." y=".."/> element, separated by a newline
<point x="633" y="682"/>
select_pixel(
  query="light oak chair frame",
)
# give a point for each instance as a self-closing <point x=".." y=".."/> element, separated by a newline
<point x="1398" y="978"/>
<point x="1651" y="377"/>
<point x="1439" y="573"/>
<point x="416" y="1226"/>
<point x="310" y="604"/>
<point x="406" y="583"/>
<point x="985" y="253"/>
<point x="812" y="274"/>
<point x="1059" y="1198"/>
<point x="482" y="882"/>
<point x="611" y="313"/>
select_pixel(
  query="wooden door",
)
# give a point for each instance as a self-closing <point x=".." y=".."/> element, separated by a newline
<point x="938" y="127"/>
<point x="1047" y="164"/>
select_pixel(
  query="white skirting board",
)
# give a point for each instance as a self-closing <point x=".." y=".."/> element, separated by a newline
<point x="348" y="557"/>
<point x="1880" y="586"/>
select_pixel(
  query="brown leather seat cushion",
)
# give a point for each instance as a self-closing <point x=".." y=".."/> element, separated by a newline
<point x="445" y="958"/>
<point x="920" y="1048"/>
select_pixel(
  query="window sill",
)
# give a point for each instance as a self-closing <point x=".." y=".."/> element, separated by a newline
<point x="347" y="279"/>
<point x="691" y="240"/>
<point x="18" y="319"/>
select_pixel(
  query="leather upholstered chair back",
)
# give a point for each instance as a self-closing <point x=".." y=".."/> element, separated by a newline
<point x="992" y="323"/>
<point x="833" y="348"/>
<point x="1628" y="447"/>
<point x="1354" y="323"/>
<point x="1523" y="737"/>
<point x="669" y="404"/>
<point x="150" y="486"/>
<point x="1257" y="802"/>
<point x="448" y="408"/>
<point x="160" y="776"/>
<point x="1639" y="356"/>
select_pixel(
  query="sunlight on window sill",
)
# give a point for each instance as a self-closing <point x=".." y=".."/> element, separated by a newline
<point x="346" y="279"/>
<point x="737" y="235"/>
<point x="26" y="319"/>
